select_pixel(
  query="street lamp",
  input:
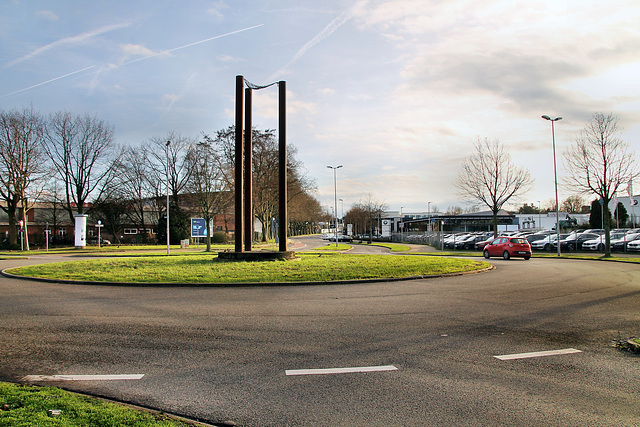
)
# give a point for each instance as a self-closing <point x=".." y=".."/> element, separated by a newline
<point x="99" y="226"/>
<point x="555" y="177"/>
<point x="401" y="225"/>
<point x="168" y="142"/>
<point x="539" y="216"/>
<point x="429" y="221"/>
<point x="335" y="198"/>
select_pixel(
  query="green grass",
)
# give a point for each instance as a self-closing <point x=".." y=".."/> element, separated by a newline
<point x="109" y="249"/>
<point x="393" y="247"/>
<point x="333" y="247"/>
<point x="206" y="268"/>
<point x="23" y="405"/>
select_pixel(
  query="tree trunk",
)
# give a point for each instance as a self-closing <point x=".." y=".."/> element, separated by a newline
<point x="13" y="235"/>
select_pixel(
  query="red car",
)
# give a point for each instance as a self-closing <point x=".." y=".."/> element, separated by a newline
<point x="506" y="247"/>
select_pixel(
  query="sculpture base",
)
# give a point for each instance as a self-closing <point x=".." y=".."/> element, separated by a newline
<point x="257" y="256"/>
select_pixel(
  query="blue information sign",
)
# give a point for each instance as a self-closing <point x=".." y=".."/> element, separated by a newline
<point x="198" y="227"/>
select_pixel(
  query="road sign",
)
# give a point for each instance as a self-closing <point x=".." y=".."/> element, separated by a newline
<point x="198" y="227"/>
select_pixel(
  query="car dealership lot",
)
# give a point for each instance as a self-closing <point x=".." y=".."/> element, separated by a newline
<point x="223" y="353"/>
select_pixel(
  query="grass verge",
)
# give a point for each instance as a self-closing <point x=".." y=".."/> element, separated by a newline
<point x="333" y="247"/>
<point x="206" y="268"/>
<point x="110" y="249"/>
<point x="24" y="405"/>
<point x="393" y="247"/>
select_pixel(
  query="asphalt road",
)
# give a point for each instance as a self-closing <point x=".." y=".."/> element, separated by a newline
<point x="218" y="354"/>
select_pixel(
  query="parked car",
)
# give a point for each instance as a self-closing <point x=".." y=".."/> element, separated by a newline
<point x="535" y="237"/>
<point x="634" y="246"/>
<point x="94" y="241"/>
<point x="480" y="245"/>
<point x="598" y="243"/>
<point x="468" y="242"/>
<point x="451" y="240"/>
<point x="508" y="247"/>
<point x="574" y="241"/>
<point x="622" y="243"/>
<point x="341" y="238"/>
<point x="546" y="244"/>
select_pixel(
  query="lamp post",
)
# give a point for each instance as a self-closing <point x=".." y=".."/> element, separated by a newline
<point x="335" y="198"/>
<point x="428" y="222"/>
<point x="539" y="216"/>
<point x="401" y="225"/>
<point x="99" y="226"/>
<point x="555" y="177"/>
<point x="168" y="142"/>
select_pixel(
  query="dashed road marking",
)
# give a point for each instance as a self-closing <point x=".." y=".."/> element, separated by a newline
<point x="538" y="354"/>
<point x="340" y="370"/>
<point x="39" y="378"/>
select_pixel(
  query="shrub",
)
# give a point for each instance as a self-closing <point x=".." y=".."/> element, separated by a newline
<point x="220" y="237"/>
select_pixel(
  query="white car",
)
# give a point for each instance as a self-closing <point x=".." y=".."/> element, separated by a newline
<point x="633" y="246"/>
<point x="621" y="244"/>
<point x="546" y="244"/>
<point x="599" y="243"/>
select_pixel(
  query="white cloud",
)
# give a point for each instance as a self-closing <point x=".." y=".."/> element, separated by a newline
<point x="48" y="15"/>
<point x="217" y="8"/>
<point x="230" y="58"/>
<point x="132" y="52"/>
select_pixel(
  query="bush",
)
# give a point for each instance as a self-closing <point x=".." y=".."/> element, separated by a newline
<point x="220" y="237"/>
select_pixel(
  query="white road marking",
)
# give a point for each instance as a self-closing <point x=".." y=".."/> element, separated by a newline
<point x="340" y="370"/>
<point x="37" y="378"/>
<point x="538" y="354"/>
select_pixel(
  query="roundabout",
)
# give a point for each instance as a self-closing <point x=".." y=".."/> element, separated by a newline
<point x="206" y="269"/>
<point x="414" y="352"/>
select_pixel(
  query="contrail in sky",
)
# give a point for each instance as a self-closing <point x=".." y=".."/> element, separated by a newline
<point x="164" y="52"/>
<point x="130" y="62"/>
<point x="336" y="23"/>
<point x="48" y="81"/>
<point x="69" y="40"/>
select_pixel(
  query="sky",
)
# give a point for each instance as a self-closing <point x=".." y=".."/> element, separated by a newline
<point x="395" y="91"/>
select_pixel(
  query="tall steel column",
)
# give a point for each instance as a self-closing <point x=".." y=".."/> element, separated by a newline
<point x="248" y="173"/>
<point x="282" y="161"/>
<point x="239" y="218"/>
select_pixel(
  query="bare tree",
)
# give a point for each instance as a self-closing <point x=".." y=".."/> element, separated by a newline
<point x="600" y="163"/>
<point x="139" y="189"/>
<point x="171" y="156"/>
<point x="53" y="197"/>
<point x="265" y="171"/>
<point x="489" y="176"/>
<point x="82" y="149"/>
<point x="573" y="204"/>
<point x="23" y="163"/>
<point x="209" y="186"/>
<point x="364" y="213"/>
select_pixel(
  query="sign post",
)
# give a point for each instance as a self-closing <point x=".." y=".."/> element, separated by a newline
<point x="198" y="227"/>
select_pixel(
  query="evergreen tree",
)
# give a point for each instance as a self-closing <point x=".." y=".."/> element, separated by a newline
<point x="621" y="215"/>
